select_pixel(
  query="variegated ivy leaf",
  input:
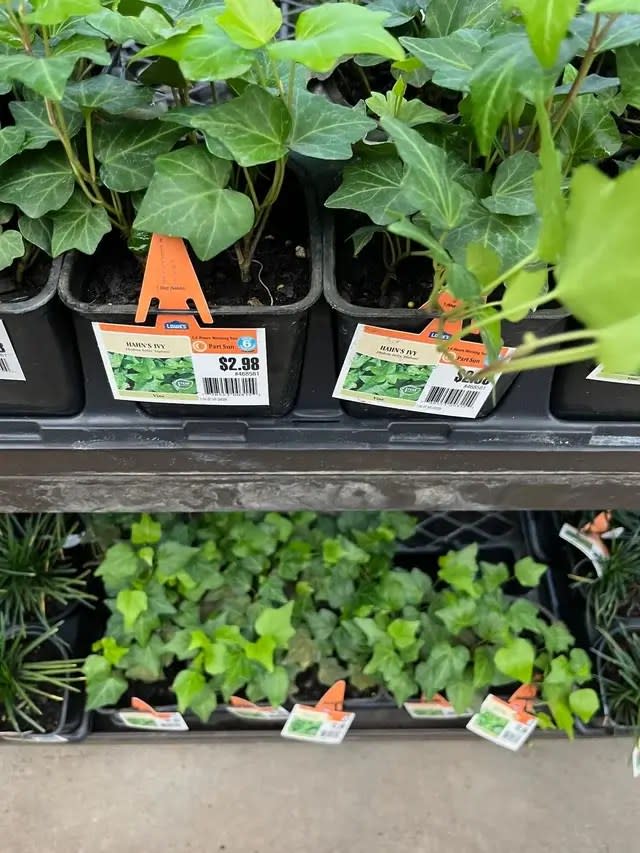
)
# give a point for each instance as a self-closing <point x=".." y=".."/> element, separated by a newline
<point x="36" y="231"/>
<point x="250" y="23"/>
<point x="45" y="75"/>
<point x="203" y="53"/>
<point x="373" y="185"/>
<point x="325" y="130"/>
<point x="78" y="225"/>
<point x="11" y="142"/>
<point x="326" y="33"/>
<point x="127" y="149"/>
<point x="414" y="112"/>
<point x="428" y="181"/>
<point x="512" y="190"/>
<point x="11" y="247"/>
<point x="187" y="198"/>
<point x="452" y="58"/>
<point x="624" y="30"/>
<point x="123" y="28"/>
<point x="400" y="11"/>
<point x="446" y="16"/>
<point x="107" y="93"/>
<point x="510" y="237"/>
<point x="37" y="181"/>
<point x="628" y="64"/>
<point x="32" y="118"/>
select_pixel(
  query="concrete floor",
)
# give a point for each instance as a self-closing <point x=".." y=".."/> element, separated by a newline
<point x="365" y="796"/>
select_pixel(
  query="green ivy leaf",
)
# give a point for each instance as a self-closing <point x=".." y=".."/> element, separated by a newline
<point x="50" y="12"/>
<point x="412" y="113"/>
<point x="589" y="131"/>
<point x="11" y="247"/>
<point x="579" y="663"/>
<point x="250" y="23"/>
<point x="462" y="284"/>
<point x="127" y="150"/>
<point x="274" y="685"/>
<point x="511" y="238"/>
<point x="547" y="22"/>
<point x="456" y="617"/>
<point x="131" y="603"/>
<point x="521" y="290"/>
<point x="512" y="190"/>
<point x="119" y="567"/>
<point x="45" y="75"/>
<point x="204" y="703"/>
<point x="549" y="194"/>
<point x="187" y="685"/>
<point x="215" y="657"/>
<point x="523" y="615"/>
<point x="494" y="575"/>
<point x="275" y="622"/>
<point x="106" y="93"/>
<point x="403" y="632"/>
<point x="429" y="183"/>
<point x="36" y="231"/>
<point x="262" y="651"/>
<point x="516" y="660"/>
<point x="628" y="65"/>
<point x="561" y="713"/>
<point x="373" y="185"/>
<point x="122" y="28"/>
<point x="144" y="663"/>
<point x="447" y="16"/>
<point x="459" y="569"/>
<point x="444" y="665"/>
<point x="418" y="230"/>
<point x="37" y="181"/>
<point x="7" y="212"/>
<point x="584" y="703"/>
<point x="461" y="695"/>
<point x="614" y="7"/>
<point x="11" y="142"/>
<point x="528" y="572"/>
<point x="83" y="47"/>
<point x="327" y="33"/>
<point x="203" y="53"/>
<point x="78" y="225"/>
<point x="186" y="198"/>
<point x="103" y="688"/>
<point x="624" y="30"/>
<point x="324" y="130"/>
<point x="111" y="651"/>
<point x="483" y="667"/>
<point x="31" y="117"/>
<point x="146" y="531"/>
<point x="558" y="638"/>
<point x="452" y="58"/>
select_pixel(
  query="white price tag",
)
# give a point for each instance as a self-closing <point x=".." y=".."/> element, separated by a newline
<point x="596" y="552"/>
<point x="314" y="726"/>
<point x="600" y="375"/>
<point x="9" y="364"/>
<point x="501" y="724"/>
<point x="258" y="713"/>
<point x="170" y="721"/>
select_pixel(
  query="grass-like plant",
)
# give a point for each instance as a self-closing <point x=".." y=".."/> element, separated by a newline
<point x="27" y="683"/>
<point x="620" y="676"/>
<point x="35" y="575"/>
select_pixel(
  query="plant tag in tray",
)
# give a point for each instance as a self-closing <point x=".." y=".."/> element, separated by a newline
<point x="435" y="707"/>
<point x="178" y="360"/>
<point x="502" y="724"/>
<point x="143" y="716"/>
<point x="635" y="760"/>
<point x="403" y="370"/>
<point x="9" y="364"/>
<point x="600" y="375"/>
<point x="255" y="713"/>
<point x="316" y="726"/>
<point x="590" y="545"/>
<point x="33" y="737"/>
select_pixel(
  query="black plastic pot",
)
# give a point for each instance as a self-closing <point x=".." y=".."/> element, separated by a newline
<point x="347" y="316"/>
<point x="633" y="626"/>
<point x="73" y="724"/>
<point x="285" y="326"/>
<point x="41" y="333"/>
<point x="574" y="397"/>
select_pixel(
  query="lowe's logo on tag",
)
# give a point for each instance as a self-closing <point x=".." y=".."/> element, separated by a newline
<point x="247" y="344"/>
<point x="442" y="336"/>
<point x="176" y="324"/>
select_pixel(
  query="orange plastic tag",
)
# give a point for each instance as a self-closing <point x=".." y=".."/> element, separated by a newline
<point x="325" y="722"/>
<point x="170" y="278"/>
<point x="523" y="700"/>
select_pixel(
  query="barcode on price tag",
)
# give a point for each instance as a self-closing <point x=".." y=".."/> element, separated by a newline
<point x="314" y="726"/>
<point x="9" y="364"/>
<point x="501" y="724"/>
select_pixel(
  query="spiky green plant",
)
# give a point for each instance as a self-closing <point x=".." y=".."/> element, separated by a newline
<point x="35" y="576"/>
<point x="620" y="676"/>
<point x="26" y="683"/>
<point x="616" y="593"/>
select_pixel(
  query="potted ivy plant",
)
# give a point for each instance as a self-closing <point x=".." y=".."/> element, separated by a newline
<point x="113" y="154"/>
<point x="478" y="190"/>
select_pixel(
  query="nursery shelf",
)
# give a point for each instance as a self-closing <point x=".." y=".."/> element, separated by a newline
<point x="318" y="457"/>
